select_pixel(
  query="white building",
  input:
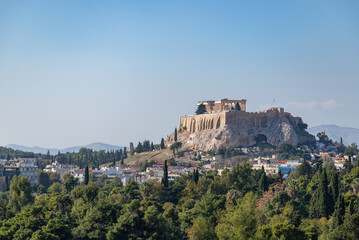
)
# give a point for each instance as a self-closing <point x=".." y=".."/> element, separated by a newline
<point x="61" y="169"/>
<point x="124" y="175"/>
<point x="29" y="169"/>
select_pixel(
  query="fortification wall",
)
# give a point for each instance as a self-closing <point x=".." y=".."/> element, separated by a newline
<point x="196" y="123"/>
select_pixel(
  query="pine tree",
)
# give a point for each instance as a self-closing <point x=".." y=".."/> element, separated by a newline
<point x="237" y="107"/>
<point x="146" y="145"/>
<point x="162" y="143"/>
<point x="351" y="208"/>
<point x="201" y="109"/>
<point x="87" y="175"/>
<point x="165" y="175"/>
<point x="339" y="212"/>
<point x="175" y="138"/>
<point x="139" y="147"/>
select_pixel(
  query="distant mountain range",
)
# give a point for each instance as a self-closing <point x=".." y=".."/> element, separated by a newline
<point x="94" y="146"/>
<point x="334" y="132"/>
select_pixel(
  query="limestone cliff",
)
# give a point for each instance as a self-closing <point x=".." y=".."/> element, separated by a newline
<point x="237" y="128"/>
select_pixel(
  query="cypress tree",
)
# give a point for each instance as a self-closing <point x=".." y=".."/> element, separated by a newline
<point x="196" y="176"/>
<point x="114" y="161"/>
<point x="7" y="184"/>
<point x="87" y="176"/>
<point x="237" y="107"/>
<point x="335" y="186"/>
<point x="321" y="203"/>
<point x="122" y="161"/>
<point x="162" y="143"/>
<point x="280" y="175"/>
<point x="263" y="183"/>
<point x="266" y="183"/>
<point x="339" y="212"/>
<point x="175" y="138"/>
<point x="124" y="152"/>
<point x="349" y="164"/>
<point x="152" y="147"/>
<point x="165" y="175"/>
<point x="327" y="197"/>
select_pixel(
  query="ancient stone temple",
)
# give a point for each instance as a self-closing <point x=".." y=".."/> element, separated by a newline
<point x="222" y="126"/>
<point x="223" y="105"/>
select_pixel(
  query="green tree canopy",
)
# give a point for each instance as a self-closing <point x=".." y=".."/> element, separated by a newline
<point x="201" y="109"/>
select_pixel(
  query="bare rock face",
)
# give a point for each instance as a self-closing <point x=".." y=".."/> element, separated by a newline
<point x="243" y="131"/>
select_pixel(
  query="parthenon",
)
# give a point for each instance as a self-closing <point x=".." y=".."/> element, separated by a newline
<point x="223" y="105"/>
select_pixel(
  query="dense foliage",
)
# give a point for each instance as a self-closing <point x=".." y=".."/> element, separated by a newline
<point x="201" y="109"/>
<point x="85" y="157"/>
<point x="241" y="203"/>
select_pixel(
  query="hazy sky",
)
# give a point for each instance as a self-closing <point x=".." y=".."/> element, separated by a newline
<point x="76" y="72"/>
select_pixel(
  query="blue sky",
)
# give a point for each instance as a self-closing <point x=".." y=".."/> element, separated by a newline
<point x="72" y="73"/>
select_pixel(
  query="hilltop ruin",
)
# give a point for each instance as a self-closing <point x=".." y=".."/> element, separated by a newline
<point x="222" y="126"/>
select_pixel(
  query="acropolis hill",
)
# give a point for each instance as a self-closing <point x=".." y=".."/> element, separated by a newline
<point x="223" y="126"/>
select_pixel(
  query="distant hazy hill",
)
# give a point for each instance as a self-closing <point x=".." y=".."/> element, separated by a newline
<point x="94" y="146"/>
<point x="334" y="132"/>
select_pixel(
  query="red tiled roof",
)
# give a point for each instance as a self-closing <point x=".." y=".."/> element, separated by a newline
<point x="281" y="162"/>
<point x="83" y="171"/>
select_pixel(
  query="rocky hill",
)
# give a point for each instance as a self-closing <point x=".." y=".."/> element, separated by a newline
<point x="238" y="128"/>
